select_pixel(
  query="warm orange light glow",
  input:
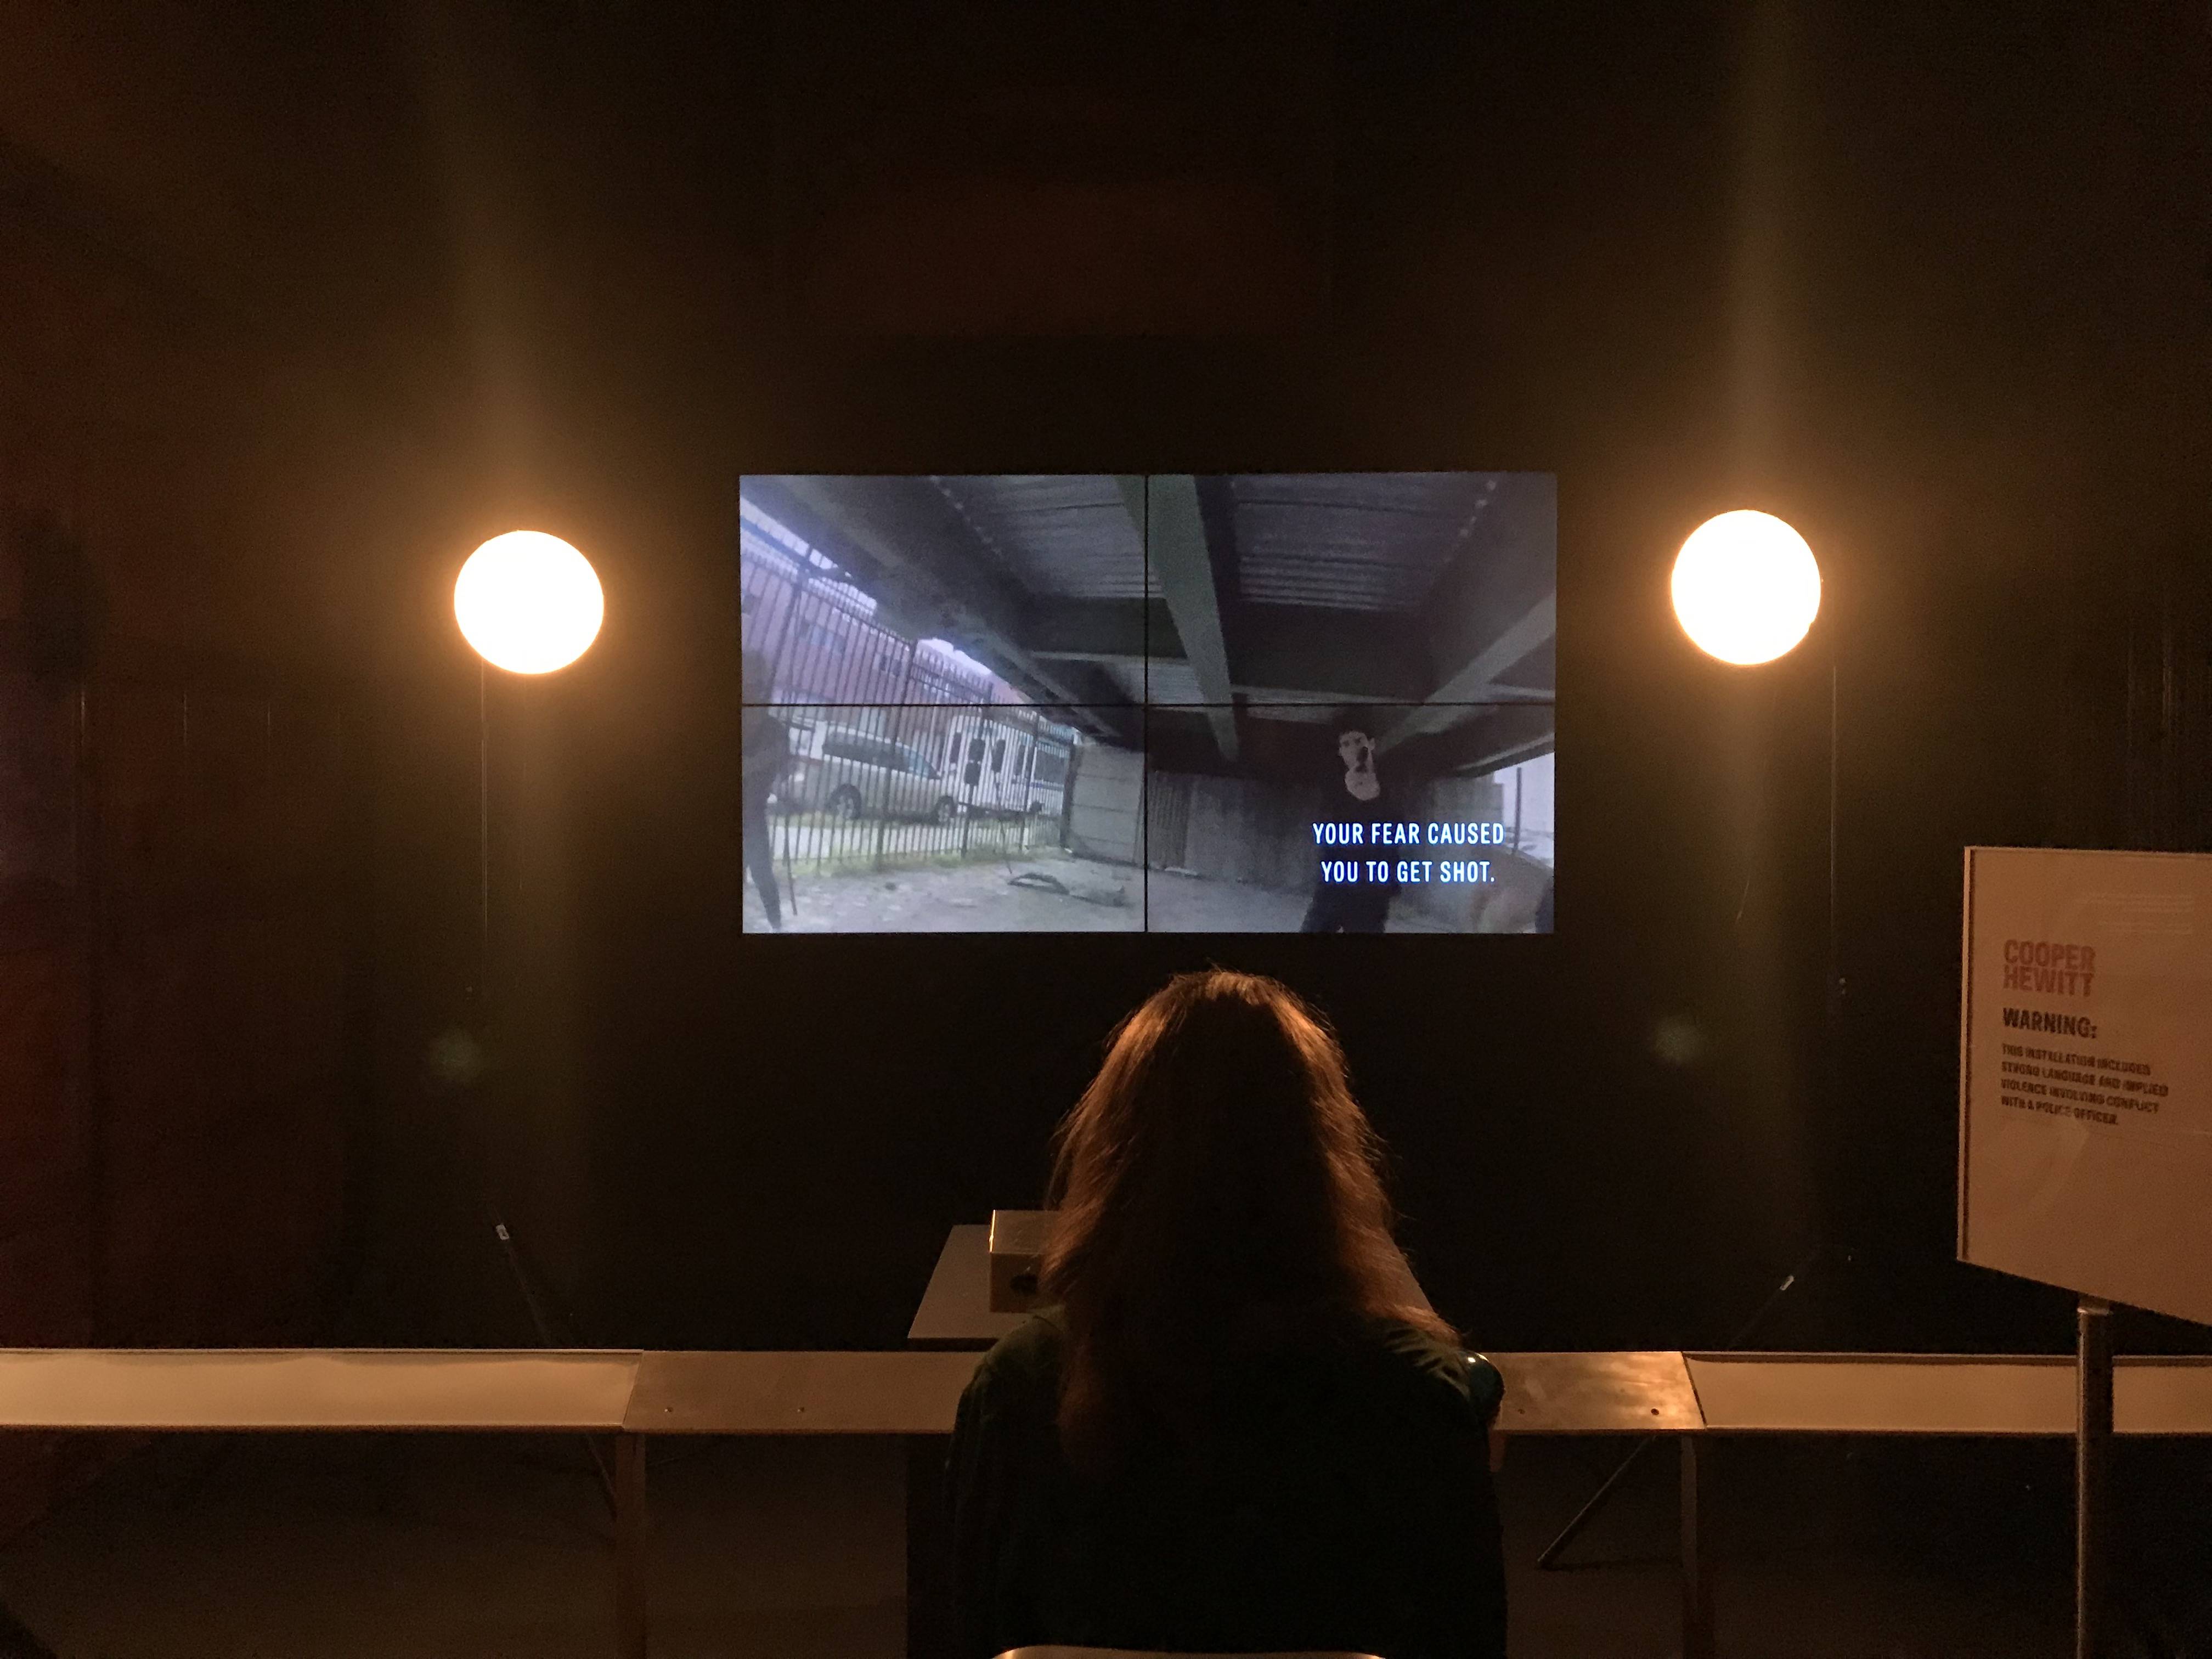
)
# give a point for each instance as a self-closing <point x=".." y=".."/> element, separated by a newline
<point x="528" y="601"/>
<point x="1746" y="587"/>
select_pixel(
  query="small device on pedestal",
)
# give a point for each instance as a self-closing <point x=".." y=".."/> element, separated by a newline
<point x="1018" y="1242"/>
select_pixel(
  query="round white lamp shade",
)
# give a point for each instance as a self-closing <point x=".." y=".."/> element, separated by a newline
<point x="1745" y="587"/>
<point x="528" y="601"/>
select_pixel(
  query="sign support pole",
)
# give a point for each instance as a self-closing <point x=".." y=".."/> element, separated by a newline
<point x="2093" y="1445"/>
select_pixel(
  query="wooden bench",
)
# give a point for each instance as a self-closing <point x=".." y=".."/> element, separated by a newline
<point x="251" y="1390"/>
<point x="1965" y="1394"/>
<point x="915" y="1394"/>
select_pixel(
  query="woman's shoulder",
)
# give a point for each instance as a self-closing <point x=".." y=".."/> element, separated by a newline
<point x="1403" y="1358"/>
<point x="1022" y="1365"/>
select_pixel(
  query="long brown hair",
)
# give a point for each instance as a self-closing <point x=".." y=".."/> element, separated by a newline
<point x="1219" y="1191"/>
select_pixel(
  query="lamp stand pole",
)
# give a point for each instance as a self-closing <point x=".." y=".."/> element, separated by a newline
<point x="541" y="1319"/>
<point x="480" y="998"/>
<point x="1835" y="986"/>
<point x="1831" y="1077"/>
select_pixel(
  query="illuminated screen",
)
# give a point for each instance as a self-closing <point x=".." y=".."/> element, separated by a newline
<point x="1242" y="703"/>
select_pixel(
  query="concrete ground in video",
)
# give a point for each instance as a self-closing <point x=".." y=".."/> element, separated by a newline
<point x="1039" y="892"/>
<point x="1177" y="904"/>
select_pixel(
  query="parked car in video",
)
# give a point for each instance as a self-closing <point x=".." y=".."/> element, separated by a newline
<point x="851" y="774"/>
<point x="1006" y="767"/>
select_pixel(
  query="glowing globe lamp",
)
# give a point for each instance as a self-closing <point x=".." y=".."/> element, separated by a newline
<point x="528" y="601"/>
<point x="1745" y="587"/>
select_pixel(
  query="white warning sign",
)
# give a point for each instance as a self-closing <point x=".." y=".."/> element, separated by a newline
<point x="2085" y="1073"/>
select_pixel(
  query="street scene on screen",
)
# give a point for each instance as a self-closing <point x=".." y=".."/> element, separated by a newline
<point x="1213" y="703"/>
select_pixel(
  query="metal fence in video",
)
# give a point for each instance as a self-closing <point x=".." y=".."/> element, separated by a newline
<point x="821" y="638"/>
<point x="901" y="752"/>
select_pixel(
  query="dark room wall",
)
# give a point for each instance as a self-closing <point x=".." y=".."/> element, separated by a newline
<point x="1933" y="290"/>
<point x="177" y="904"/>
<point x="183" y="1058"/>
<point x="1786" y="256"/>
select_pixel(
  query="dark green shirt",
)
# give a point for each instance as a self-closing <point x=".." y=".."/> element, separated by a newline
<point x="1341" y="1500"/>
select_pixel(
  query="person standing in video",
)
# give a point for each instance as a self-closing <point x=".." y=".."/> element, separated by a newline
<point x="1356" y="797"/>
<point x="764" y="750"/>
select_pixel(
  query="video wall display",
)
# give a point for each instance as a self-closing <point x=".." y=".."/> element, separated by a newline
<point x="1243" y="703"/>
